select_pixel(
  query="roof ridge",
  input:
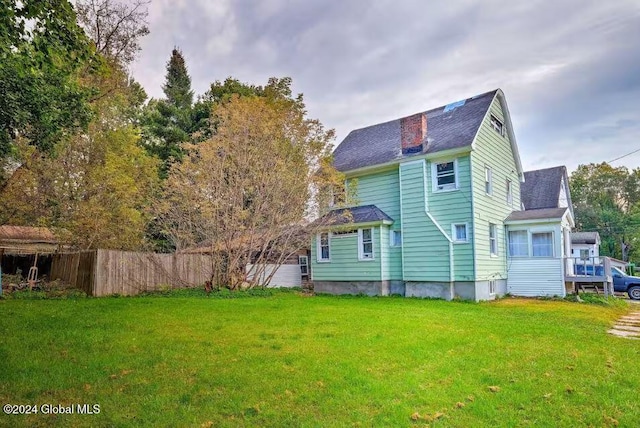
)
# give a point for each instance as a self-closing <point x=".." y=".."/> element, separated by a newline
<point x="494" y="91"/>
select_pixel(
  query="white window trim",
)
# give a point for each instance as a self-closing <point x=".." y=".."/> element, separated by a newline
<point x="495" y="118"/>
<point x="553" y="243"/>
<point x="488" y="178"/>
<point x="495" y="226"/>
<point x="391" y="240"/>
<point x="360" y="244"/>
<point x="454" y="236"/>
<point x="306" y="264"/>
<point x="509" y="192"/>
<point x="492" y="289"/>
<point x="434" y="176"/>
<point x="319" y="258"/>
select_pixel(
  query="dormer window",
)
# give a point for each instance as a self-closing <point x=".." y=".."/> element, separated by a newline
<point x="445" y="175"/>
<point x="497" y="125"/>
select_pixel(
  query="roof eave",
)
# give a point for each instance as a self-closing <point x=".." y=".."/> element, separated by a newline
<point x="509" y="124"/>
<point x="363" y="224"/>
<point x="535" y="220"/>
<point x="391" y="164"/>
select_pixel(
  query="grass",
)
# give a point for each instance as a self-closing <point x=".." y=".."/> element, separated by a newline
<point x="286" y="359"/>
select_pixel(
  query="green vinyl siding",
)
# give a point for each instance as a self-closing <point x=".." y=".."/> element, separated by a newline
<point x="382" y="190"/>
<point x="425" y="248"/>
<point x="384" y="253"/>
<point x="344" y="264"/>
<point x="454" y="207"/>
<point x="493" y="150"/>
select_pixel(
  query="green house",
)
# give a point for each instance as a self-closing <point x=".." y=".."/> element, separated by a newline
<point x="436" y="193"/>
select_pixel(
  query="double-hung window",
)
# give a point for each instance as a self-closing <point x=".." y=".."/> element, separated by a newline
<point x="444" y="175"/>
<point x="324" y="247"/>
<point x="584" y="254"/>
<point x="542" y="244"/>
<point x="488" y="180"/>
<point x="493" y="239"/>
<point x="497" y="125"/>
<point x="365" y="244"/>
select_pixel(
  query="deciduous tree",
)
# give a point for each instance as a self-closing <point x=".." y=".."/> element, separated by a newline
<point x="607" y="200"/>
<point x="41" y="51"/>
<point x="243" y="195"/>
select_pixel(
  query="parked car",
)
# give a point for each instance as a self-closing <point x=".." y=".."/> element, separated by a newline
<point x="626" y="283"/>
<point x="622" y="282"/>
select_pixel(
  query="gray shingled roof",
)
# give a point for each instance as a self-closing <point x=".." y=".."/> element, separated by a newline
<point x="361" y="214"/>
<point x="541" y="188"/>
<point x="540" y="214"/>
<point x="379" y="144"/>
<point x="585" y="237"/>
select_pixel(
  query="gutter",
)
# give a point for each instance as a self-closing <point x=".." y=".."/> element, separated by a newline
<point x="437" y="225"/>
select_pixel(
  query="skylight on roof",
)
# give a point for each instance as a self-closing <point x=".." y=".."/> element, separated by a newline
<point x="452" y="106"/>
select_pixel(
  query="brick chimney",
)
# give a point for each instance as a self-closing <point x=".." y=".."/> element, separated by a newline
<point x="413" y="131"/>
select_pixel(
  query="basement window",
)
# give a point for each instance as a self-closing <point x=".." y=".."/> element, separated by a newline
<point x="492" y="286"/>
<point x="497" y="125"/>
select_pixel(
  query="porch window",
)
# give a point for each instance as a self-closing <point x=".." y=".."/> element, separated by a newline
<point x="444" y="176"/>
<point x="459" y="232"/>
<point x="509" y="193"/>
<point x="488" y="180"/>
<point x="365" y="238"/>
<point x="542" y="244"/>
<point x="518" y="243"/>
<point x="324" y="247"/>
<point x="493" y="239"/>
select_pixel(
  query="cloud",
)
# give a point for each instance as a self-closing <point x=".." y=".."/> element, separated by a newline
<point x="570" y="69"/>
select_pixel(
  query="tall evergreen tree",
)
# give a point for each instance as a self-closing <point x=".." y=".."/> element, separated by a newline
<point x="167" y="123"/>
<point x="177" y="87"/>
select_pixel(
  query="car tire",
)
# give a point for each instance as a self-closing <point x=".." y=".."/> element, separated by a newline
<point x="634" y="292"/>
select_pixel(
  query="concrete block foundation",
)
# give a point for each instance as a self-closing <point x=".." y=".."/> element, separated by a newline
<point x="466" y="290"/>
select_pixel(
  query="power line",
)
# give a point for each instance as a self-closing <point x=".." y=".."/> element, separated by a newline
<point x="624" y="156"/>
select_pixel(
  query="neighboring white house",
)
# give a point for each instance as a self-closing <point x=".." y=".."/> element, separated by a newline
<point x="539" y="238"/>
<point x="585" y="246"/>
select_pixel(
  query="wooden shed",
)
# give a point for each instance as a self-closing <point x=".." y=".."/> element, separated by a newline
<point x="27" y="240"/>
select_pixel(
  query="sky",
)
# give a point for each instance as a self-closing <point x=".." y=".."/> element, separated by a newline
<point x="570" y="69"/>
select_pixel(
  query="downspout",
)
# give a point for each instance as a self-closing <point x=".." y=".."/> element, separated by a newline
<point x="435" y="222"/>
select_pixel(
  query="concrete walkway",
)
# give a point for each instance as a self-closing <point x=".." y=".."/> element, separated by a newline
<point x="627" y="326"/>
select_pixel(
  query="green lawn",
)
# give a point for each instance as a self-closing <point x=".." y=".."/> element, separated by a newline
<point x="292" y="360"/>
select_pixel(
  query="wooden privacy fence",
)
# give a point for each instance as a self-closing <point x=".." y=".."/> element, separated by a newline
<point x="105" y="272"/>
